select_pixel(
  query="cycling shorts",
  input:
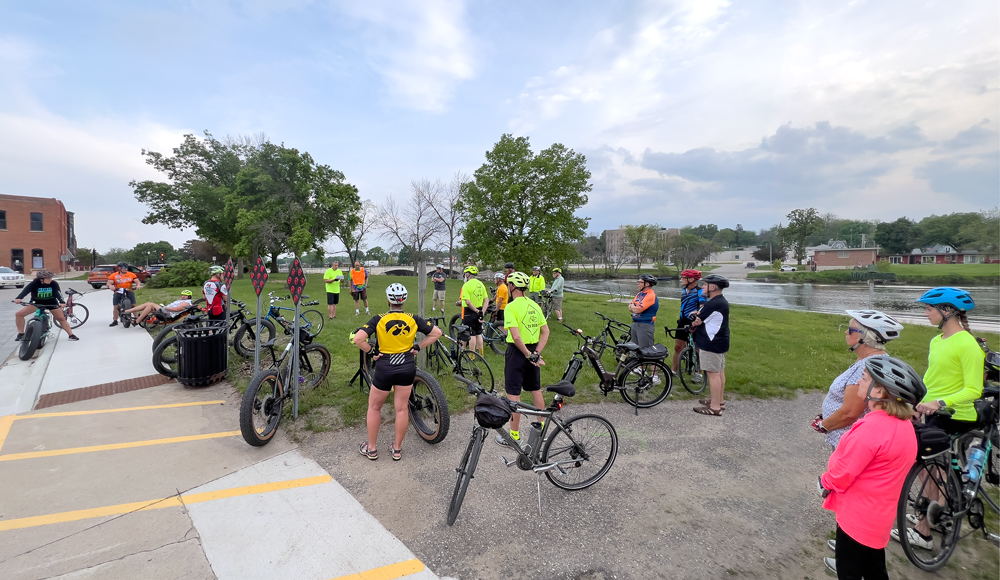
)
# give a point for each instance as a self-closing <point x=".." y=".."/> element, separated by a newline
<point x="682" y="334"/>
<point x="387" y="376"/>
<point x="471" y="319"/>
<point x="519" y="373"/>
<point x="332" y="298"/>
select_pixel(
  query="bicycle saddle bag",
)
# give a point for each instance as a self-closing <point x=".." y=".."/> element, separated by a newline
<point x="931" y="440"/>
<point x="464" y="334"/>
<point x="491" y="412"/>
<point x="986" y="410"/>
<point x="655" y="352"/>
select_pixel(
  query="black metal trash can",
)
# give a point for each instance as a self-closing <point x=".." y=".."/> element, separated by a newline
<point x="201" y="353"/>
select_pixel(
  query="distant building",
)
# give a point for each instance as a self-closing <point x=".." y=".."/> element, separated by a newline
<point x="617" y="248"/>
<point x="742" y="255"/>
<point x="36" y="233"/>
<point x="836" y="255"/>
<point x="941" y="254"/>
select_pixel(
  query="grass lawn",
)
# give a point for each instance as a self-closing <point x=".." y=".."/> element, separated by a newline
<point x="774" y="353"/>
<point x="922" y="274"/>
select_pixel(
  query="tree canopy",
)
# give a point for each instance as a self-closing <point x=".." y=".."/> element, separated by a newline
<point x="801" y="224"/>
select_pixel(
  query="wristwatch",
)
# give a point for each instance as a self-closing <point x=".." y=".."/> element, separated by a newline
<point x="941" y="403"/>
<point x="823" y="492"/>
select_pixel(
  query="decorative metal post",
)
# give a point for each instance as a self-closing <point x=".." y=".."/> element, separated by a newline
<point x="258" y="276"/>
<point x="227" y="279"/>
<point x="296" y="283"/>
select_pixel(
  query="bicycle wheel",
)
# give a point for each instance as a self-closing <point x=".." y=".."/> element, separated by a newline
<point x="435" y="360"/>
<point x="456" y="320"/>
<point x="428" y="408"/>
<point x="165" y="357"/>
<point x="466" y="471"/>
<point x="687" y="369"/>
<point x="929" y="493"/>
<point x="991" y="467"/>
<point x="260" y="410"/>
<point x="312" y="320"/>
<point x="585" y="450"/>
<point x="496" y="339"/>
<point x="314" y="364"/>
<point x="243" y="342"/>
<point x="79" y="316"/>
<point x="31" y="340"/>
<point x="126" y="319"/>
<point x="645" y="384"/>
<point x="473" y="366"/>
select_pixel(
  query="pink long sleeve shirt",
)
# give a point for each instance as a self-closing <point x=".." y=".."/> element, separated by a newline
<point x="865" y="476"/>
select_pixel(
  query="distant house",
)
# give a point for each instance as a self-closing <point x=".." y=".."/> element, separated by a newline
<point x="941" y="254"/>
<point x="835" y="254"/>
<point x="743" y="255"/>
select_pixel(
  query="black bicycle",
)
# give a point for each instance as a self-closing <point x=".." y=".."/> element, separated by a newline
<point x="573" y="454"/>
<point x="455" y="359"/>
<point x="688" y="365"/>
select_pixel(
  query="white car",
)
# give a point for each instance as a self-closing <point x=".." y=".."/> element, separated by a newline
<point x="787" y="269"/>
<point x="10" y="277"/>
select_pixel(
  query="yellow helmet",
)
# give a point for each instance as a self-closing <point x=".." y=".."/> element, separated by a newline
<point x="472" y="270"/>
<point x="519" y="280"/>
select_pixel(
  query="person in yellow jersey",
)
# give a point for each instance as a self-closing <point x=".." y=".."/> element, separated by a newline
<point x="502" y="297"/>
<point x="527" y="334"/>
<point x="395" y="366"/>
<point x="475" y="300"/>
<point x="537" y="283"/>
<point x="332" y="278"/>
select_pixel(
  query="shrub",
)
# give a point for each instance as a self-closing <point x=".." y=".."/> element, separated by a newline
<point x="181" y="274"/>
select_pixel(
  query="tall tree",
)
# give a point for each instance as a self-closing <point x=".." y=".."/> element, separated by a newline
<point x="957" y="230"/>
<point x="897" y="237"/>
<point x="851" y="231"/>
<point x="146" y="253"/>
<point x="444" y="202"/>
<point x="520" y="206"/>
<point x="725" y="238"/>
<point x="640" y="242"/>
<point x="687" y="250"/>
<point x="801" y="224"/>
<point x="706" y="231"/>
<point x="353" y="234"/>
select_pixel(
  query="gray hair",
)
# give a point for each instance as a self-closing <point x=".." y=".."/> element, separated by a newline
<point x="871" y="339"/>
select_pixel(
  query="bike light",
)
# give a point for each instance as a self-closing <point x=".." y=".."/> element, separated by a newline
<point x="559" y="404"/>
<point x="579" y="331"/>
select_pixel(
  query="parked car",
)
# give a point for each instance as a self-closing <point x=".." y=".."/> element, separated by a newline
<point x="750" y="265"/>
<point x="98" y="277"/>
<point x="788" y="268"/>
<point x="9" y="277"/>
<point x="155" y="268"/>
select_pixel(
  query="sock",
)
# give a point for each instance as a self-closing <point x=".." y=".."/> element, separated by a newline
<point x="480" y="351"/>
<point x="515" y="435"/>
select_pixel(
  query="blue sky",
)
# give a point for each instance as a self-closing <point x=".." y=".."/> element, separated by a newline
<point x="688" y="112"/>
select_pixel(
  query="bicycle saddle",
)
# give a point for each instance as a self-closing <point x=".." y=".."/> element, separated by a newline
<point x="268" y="343"/>
<point x="461" y="328"/>
<point x="564" y="388"/>
<point x="629" y="346"/>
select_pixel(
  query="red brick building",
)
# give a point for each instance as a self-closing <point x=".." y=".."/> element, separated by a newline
<point x="942" y="254"/>
<point x="36" y="233"/>
<point x="838" y="255"/>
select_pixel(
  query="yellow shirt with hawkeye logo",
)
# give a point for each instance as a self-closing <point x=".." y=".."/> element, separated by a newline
<point x="396" y="331"/>
<point x="526" y="316"/>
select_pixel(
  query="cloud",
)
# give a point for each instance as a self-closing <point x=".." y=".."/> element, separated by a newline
<point x="977" y="178"/>
<point x="974" y="136"/>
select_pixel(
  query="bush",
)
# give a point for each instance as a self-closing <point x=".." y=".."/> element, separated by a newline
<point x="181" y="274"/>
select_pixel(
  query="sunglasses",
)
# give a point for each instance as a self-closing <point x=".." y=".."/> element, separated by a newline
<point x="850" y="329"/>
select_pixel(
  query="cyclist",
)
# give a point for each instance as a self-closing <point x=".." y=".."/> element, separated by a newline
<point x="475" y="301"/>
<point x="122" y="282"/>
<point x="395" y="366"/>
<point x="44" y="292"/>
<point x="692" y="297"/>
<point x="332" y="278"/>
<point x="170" y="310"/>
<point x="537" y="283"/>
<point x="502" y="297"/>
<point x="216" y="294"/>
<point x="527" y="333"/>
<point x="508" y="270"/>
<point x="439" y="278"/>
<point x="557" y="292"/>
<point x="359" y="286"/>
<point x="711" y="336"/>
<point x="643" y="309"/>
<point x="865" y="475"/>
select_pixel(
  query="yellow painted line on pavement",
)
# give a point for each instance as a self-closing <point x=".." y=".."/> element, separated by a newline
<point x="99" y="411"/>
<point x="5" y="423"/>
<point x="389" y="572"/>
<point x="113" y="446"/>
<point x="167" y="502"/>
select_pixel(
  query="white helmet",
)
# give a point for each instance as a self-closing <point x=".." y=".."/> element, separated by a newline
<point x="396" y="293"/>
<point x="439" y="266"/>
<point x="883" y="325"/>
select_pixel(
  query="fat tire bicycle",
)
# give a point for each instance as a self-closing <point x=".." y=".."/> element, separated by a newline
<point x="573" y="454"/>
<point x="457" y="360"/>
<point x="76" y="314"/>
<point x="36" y="330"/>
<point x="688" y="365"/>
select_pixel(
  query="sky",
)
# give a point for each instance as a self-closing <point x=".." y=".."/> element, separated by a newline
<point x="688" y="112"/>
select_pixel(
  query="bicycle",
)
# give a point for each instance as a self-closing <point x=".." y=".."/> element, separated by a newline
<point x="76" y="314"/>
<point x="640" y="375"/>
<point x="688" y="365"/>
<point x="161" y="317"/>
<point x="309" y="320"/>
<point x="493" y="334"/>
<point x="36" y="330"/>
<point x="940" y="490"/>
<point x="456" y="359"/>
<point x="264" y="400"/>
<point x="573" y="455"/>
<point x="125" y="318"/>
<point x="544" y="301"/>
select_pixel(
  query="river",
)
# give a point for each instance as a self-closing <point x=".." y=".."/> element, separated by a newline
<point x="897" y="301"/>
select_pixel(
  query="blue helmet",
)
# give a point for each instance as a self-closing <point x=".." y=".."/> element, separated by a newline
<point x="955" y="297"/>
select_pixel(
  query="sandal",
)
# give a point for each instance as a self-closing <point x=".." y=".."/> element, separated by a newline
<point x="708" y="403"/>
<point x="397" y="454"/>
<point x="369" y="453"/>
<point x="706" y="410"/>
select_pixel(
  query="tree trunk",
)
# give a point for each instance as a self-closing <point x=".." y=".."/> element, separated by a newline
<point x="239" y="268"/>
<point x="274" y="262"/>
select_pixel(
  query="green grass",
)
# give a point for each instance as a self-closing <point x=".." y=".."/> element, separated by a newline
<point x="774" y="353"/>
<point x="923" y="274"/>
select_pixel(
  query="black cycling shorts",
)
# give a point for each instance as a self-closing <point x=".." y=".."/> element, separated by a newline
<point x="118" y="297"/>
<point x="332" y="298"/>
<point x="518" y="373"/>
<point x="387" y="376"/>
<point x="471" y="319"/>
<point x="681" y="323"/>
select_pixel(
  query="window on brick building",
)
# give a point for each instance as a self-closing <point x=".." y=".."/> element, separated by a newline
<point x="36" y="221"/>
<point x="3" y="219"/>
<point x="37" y="259"/>
<point x="843" y="254"/>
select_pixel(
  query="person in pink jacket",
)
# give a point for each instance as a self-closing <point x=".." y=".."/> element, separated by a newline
<point x="864" y="476"/>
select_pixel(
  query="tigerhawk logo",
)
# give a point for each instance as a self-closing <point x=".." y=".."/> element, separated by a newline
<point x="397" y="327"/>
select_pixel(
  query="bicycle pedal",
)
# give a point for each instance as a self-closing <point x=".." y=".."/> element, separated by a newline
<point x="505" y="462"/>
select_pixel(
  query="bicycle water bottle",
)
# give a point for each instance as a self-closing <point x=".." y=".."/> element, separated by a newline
<point x="974" y="463"/>
<point x="533" y="435"/>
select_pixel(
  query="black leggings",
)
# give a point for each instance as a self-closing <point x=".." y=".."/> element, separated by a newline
<point x="856" y="561"/>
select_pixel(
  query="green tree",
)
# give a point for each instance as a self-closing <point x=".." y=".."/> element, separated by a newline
<point x="958" y="230"/>
<point x="706" y="231"/>
<point x="801" y="224"/>
<point x="897" y="237"/>
<point x="688" y="250"/>
<point x="114" y="255"/>
<point x="377" y="253"/>
<point x="851" y="230"/>
<point x="725" y="238"/>
<point x="986" y="233"/>
<point x="769" y="251"/>
<point x="520" y="206"/>
<point x="145" y="253"/>
<point x="640" y="242"/>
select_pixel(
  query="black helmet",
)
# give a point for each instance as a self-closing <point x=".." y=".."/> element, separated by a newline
<point x="898" y="378"/>
<point x="648" y="279"/>
<point x="717" y="280"/>
<point x="509" y="265"/>
<point x="122" y="265"/>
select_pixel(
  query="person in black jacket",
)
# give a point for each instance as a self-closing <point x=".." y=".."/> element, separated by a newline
<point x="44" y="292"/>
<point x="711" y="336"/>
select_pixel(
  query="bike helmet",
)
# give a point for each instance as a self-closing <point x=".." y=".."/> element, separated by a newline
<point x="717" y="280"/>
<point x="396" y="293"/>
<point x="519" y="280"/>
<point x="534" y="268"/>
<point x="954" y="297"/>
<point x="648" y="279"/>
<point x="693" y="274"/>
<point x="883" y="325"/>
<point x="216" y="270"/>
<point x="41" y="274"/>
<point x="498" y="276"/>
<point x="186" y="293"/>
<point x="472" y="270"/>
<point x="509" y="265"/>
<point x="439" y="266"/>
<point x="897" y="378"/>
<point x="122" y="265"/>
<point x="554" y="270"/>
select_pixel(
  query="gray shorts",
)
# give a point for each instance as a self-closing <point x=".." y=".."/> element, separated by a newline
<point x="642" y="333"/>
<point x="557" y="303"/>
<point x="711" y="362"/>
<point x="438" y="295"/>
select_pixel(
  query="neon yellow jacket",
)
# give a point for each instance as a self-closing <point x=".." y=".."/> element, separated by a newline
<point x="536" y="283"/>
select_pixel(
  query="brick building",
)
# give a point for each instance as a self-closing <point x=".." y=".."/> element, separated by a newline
<point x="36" y="233"/>
<point x="942" y="254"/>
<point x="836" y="255"/>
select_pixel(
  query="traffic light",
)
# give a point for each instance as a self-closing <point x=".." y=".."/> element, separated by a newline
<point x="161" y="256"/>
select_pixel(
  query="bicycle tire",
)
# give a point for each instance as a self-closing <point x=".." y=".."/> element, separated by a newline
<point x="126" y="319"/>
<point x="987" y="490"/>
<point x="315" y="320"/>
<point x="30" y="341"/>
<point x="912" y="502"/>
<point x="428" y="408"/>
<point x="435" y="360"/>
<point x="314" y="365"/>
<point x="80" y="315"/>
<point x="687" y="369"/>
<point x="162" y="335"/>
<point x="497" y="341"/>
<point x="590" y="442"/>
<point x="165" y="357"/>
<point x="456" y="320"/>
<point x="261" y="408"/>
<point x="641" y="390"/>
<point x="243" y="341"/>
<point x="473" y="366"/>
<point x="466" y="471"/>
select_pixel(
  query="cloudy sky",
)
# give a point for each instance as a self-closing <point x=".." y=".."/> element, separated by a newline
<point x="701" y="111"/>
